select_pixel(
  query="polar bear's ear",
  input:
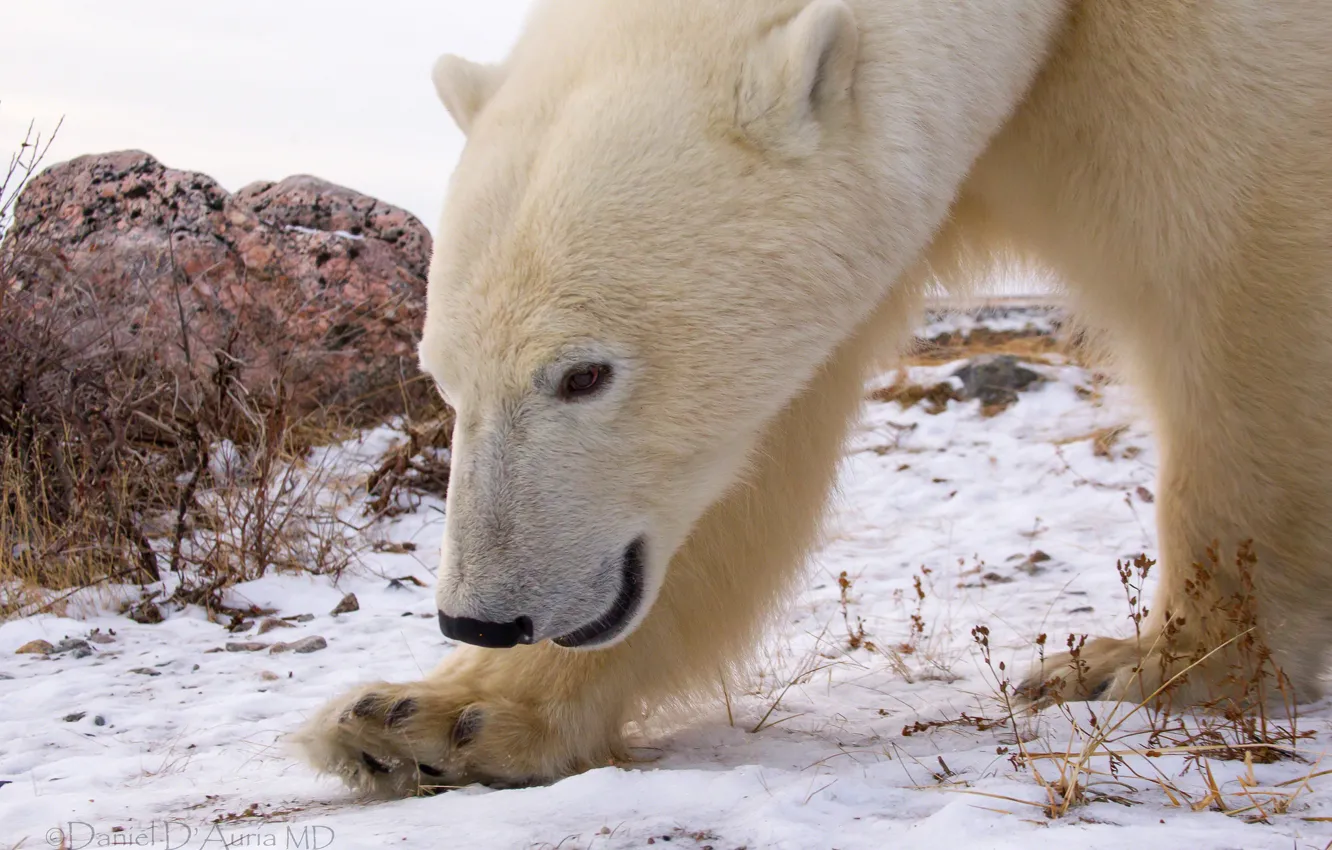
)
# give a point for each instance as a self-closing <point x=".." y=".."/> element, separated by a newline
<point x="799" y="72"/>
<point x="464" y="87"/>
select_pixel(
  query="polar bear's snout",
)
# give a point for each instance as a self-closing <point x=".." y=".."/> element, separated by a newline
<point x="615" y="600"/>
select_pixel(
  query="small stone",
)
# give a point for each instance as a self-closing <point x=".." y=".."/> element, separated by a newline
<point x="146" y="671"/>
<point x="1032" y="567"/>
<point x="301" y="618"/>
<point x="246" y="646"/>
<point x="74" y="646"/>
<point x="75" y="717"/>
<point x="1085" y="609"/>
<point x="35" y="647"/>
<point x="100" y="637"/>
<point x="267" y="624"/>
<point x="995" y="379"/>
<point x="314" y="643"/>
<point x="347" y="605"/>
<point x="99" y="720"/>
<point x="146" y="612"/>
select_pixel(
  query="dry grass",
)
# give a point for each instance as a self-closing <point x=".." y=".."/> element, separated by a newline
<point x="1029" y="344"/>
<point x="418" y="465"/>
<point x="1062" y="342"/>
<point x="908" y="394"/>
<point x="1115" y="757"/>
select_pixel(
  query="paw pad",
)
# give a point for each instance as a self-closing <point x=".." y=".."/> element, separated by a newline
<point x="373" y="764"/>
<point x="365" y="707"/>
<point x="467" y="726"/>
<point x="401" y="710"/>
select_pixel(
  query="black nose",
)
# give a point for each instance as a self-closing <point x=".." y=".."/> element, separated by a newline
<point x="485" y="633"/>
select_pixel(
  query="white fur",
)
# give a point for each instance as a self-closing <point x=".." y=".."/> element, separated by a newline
<point x="737" y="204"/>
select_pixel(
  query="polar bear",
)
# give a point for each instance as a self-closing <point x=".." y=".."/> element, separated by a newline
<point x="683" y="232"/>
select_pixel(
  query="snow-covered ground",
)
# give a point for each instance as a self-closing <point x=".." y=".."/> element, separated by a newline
<point x="161" y="738"/>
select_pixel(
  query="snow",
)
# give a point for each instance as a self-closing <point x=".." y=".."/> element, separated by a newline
<point x="341" y="234"/>
<point x="956" y="500"/>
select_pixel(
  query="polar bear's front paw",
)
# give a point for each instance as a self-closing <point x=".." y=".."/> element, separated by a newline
<point x="393" y="740"/>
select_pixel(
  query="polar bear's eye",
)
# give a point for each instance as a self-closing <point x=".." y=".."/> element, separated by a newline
<point x="584" y="380"/>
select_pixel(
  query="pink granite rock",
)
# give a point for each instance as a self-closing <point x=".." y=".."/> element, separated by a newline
<point x="301" y="284"/>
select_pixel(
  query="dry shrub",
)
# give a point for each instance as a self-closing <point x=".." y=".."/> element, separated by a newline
<point x="105" y="452"/>
<point x="419" y="465"/>
<point x="69" y="474"/>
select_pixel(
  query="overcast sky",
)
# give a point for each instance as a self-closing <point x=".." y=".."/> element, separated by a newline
<point x="246" y="90"/>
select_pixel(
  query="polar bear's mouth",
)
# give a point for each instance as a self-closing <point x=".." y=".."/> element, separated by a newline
<point x="622" y="610"/>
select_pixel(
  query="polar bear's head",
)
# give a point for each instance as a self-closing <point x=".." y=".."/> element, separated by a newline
<point x="657" y="232"/>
